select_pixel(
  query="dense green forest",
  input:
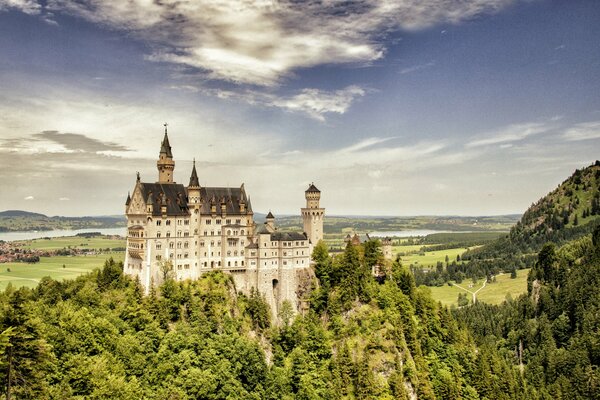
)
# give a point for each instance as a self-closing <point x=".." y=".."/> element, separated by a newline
<point x="97" y="337"/>
<point x="552" y="332"/>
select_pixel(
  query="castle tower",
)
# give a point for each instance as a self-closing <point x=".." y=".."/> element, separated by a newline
<point x="165" y="163"/>
<point x="312" y="215"/>
<point x="270" y="222"/>
<point x="194" y="187"/>
<point x="386" y="246"/>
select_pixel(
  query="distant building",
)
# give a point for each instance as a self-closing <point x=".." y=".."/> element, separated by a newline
<point x="196" y="229"/>
<point x="386" y="249"/>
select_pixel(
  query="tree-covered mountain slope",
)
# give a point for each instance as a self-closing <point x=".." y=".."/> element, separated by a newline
<point x="568" y="212"/>
<point x="97" y="337"/>
<point x="553" y="332"/>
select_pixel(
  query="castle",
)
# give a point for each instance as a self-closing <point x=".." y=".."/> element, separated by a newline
<point x="187" y="231"/>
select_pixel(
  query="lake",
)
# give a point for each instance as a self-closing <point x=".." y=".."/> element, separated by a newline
<point x="29" y="235"/>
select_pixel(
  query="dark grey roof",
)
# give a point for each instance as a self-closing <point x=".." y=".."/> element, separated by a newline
<point x="312" y="189"/>
<point x="287" y="236"/>
<point x="262" y="229"/>
<point x="270" y="215"/>
<point x="173" y="195"/>
<point x="194" y="177"/>
<point x="230" y="196"/>
<point x="128" y="199"/>
<point x="165" y="147"/>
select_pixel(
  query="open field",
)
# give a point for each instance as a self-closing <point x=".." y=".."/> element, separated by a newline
<point x="431" y="257"/>
<point x="23" y="274"/>
<point x="492" y="293"/>
<point x="96" y="242"/>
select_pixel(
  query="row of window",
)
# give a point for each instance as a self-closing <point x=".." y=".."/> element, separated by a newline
<point x="285" y="244"/>
<point x="168" y="222"/>
<point x="227" y="221"/>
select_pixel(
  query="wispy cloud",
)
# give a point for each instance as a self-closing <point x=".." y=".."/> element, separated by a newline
<point x="234" y="40"/>
<point x="510" y="134"/>
<point x="28" y="198"/>
<point x="418" y="67"/>
<point x="583" y="131"/>
<point x="31" y="7"/>
<point x="315" y="103"/>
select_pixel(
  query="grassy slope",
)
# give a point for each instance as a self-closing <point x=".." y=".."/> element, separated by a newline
<point x="431" y="258"/>
<point x="493" y="293"/>
<point x="23" y="274"/>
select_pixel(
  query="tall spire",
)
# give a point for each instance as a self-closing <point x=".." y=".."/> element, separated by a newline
<point x="165" y="147"/>
<point x="165" y="163"/>
<point x="194" y="177"/>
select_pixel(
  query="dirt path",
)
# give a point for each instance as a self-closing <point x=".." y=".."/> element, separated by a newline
<point x="473" y="294"/>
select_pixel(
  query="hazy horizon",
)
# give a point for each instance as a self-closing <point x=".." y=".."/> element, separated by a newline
<point x="470" y="108"/>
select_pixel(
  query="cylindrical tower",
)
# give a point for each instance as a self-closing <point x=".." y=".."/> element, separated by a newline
<point x="312" y="215"/>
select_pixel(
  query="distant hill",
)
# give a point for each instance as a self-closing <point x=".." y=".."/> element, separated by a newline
<point x="20" y="213"/>
<point x="18" y="220"/>
<point x="568" y="212"/>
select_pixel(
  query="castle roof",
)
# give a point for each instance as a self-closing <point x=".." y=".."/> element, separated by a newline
<point x="165" y="147"/>
<point x="312" y="189"/>
<point x="287" y="236"/>
<point x="173" y="195"/>
<point x="194" y="177"/>
<point x="231" y="197"/>
<point x="270" y="215"/>
<point x="263" y="230"/>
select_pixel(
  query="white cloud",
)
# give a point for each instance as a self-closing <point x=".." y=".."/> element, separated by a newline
<point x="510" y="134"/>
<point x="315" y="103"/>
<point x="261" y="42"/>
<point x="28" y="198"/>
<point x="418" y="67"/>
<point x="64" y="199"/>
<point x="27" y="6"/>
<point x="583" y="131"/>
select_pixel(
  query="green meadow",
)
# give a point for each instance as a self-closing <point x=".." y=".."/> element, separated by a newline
<point x="492" y="293"/>
<point x="96" y="242"/>
<point x="58" y="268"/>
<point x="429" y="258"/>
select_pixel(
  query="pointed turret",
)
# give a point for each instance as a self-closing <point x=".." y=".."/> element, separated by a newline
<point x="165" y="147"/>
<point x="165" y="163"/>
<point x="270" y="222"/>
<point x="193" y="189"/>
<point x="194" y="182"/>
<point x="128" y="201"/>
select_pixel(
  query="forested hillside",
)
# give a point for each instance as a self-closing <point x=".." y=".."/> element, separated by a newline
<point x="570" y="211"/>
<point x="552" y="332"/>
<point x="17" y="220"/>
<point x="97" y="337"/>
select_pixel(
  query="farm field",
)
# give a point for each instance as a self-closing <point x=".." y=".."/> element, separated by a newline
<point x="23" y="274"/>
<point x="96" y="242"/>
<point x="492" y="293"/>
<point x="430" y="258"/>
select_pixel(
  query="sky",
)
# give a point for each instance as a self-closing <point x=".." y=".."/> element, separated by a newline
<point x="391" y="107"/>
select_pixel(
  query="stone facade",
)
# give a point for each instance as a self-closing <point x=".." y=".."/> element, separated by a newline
<point x="187" y="231"/>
